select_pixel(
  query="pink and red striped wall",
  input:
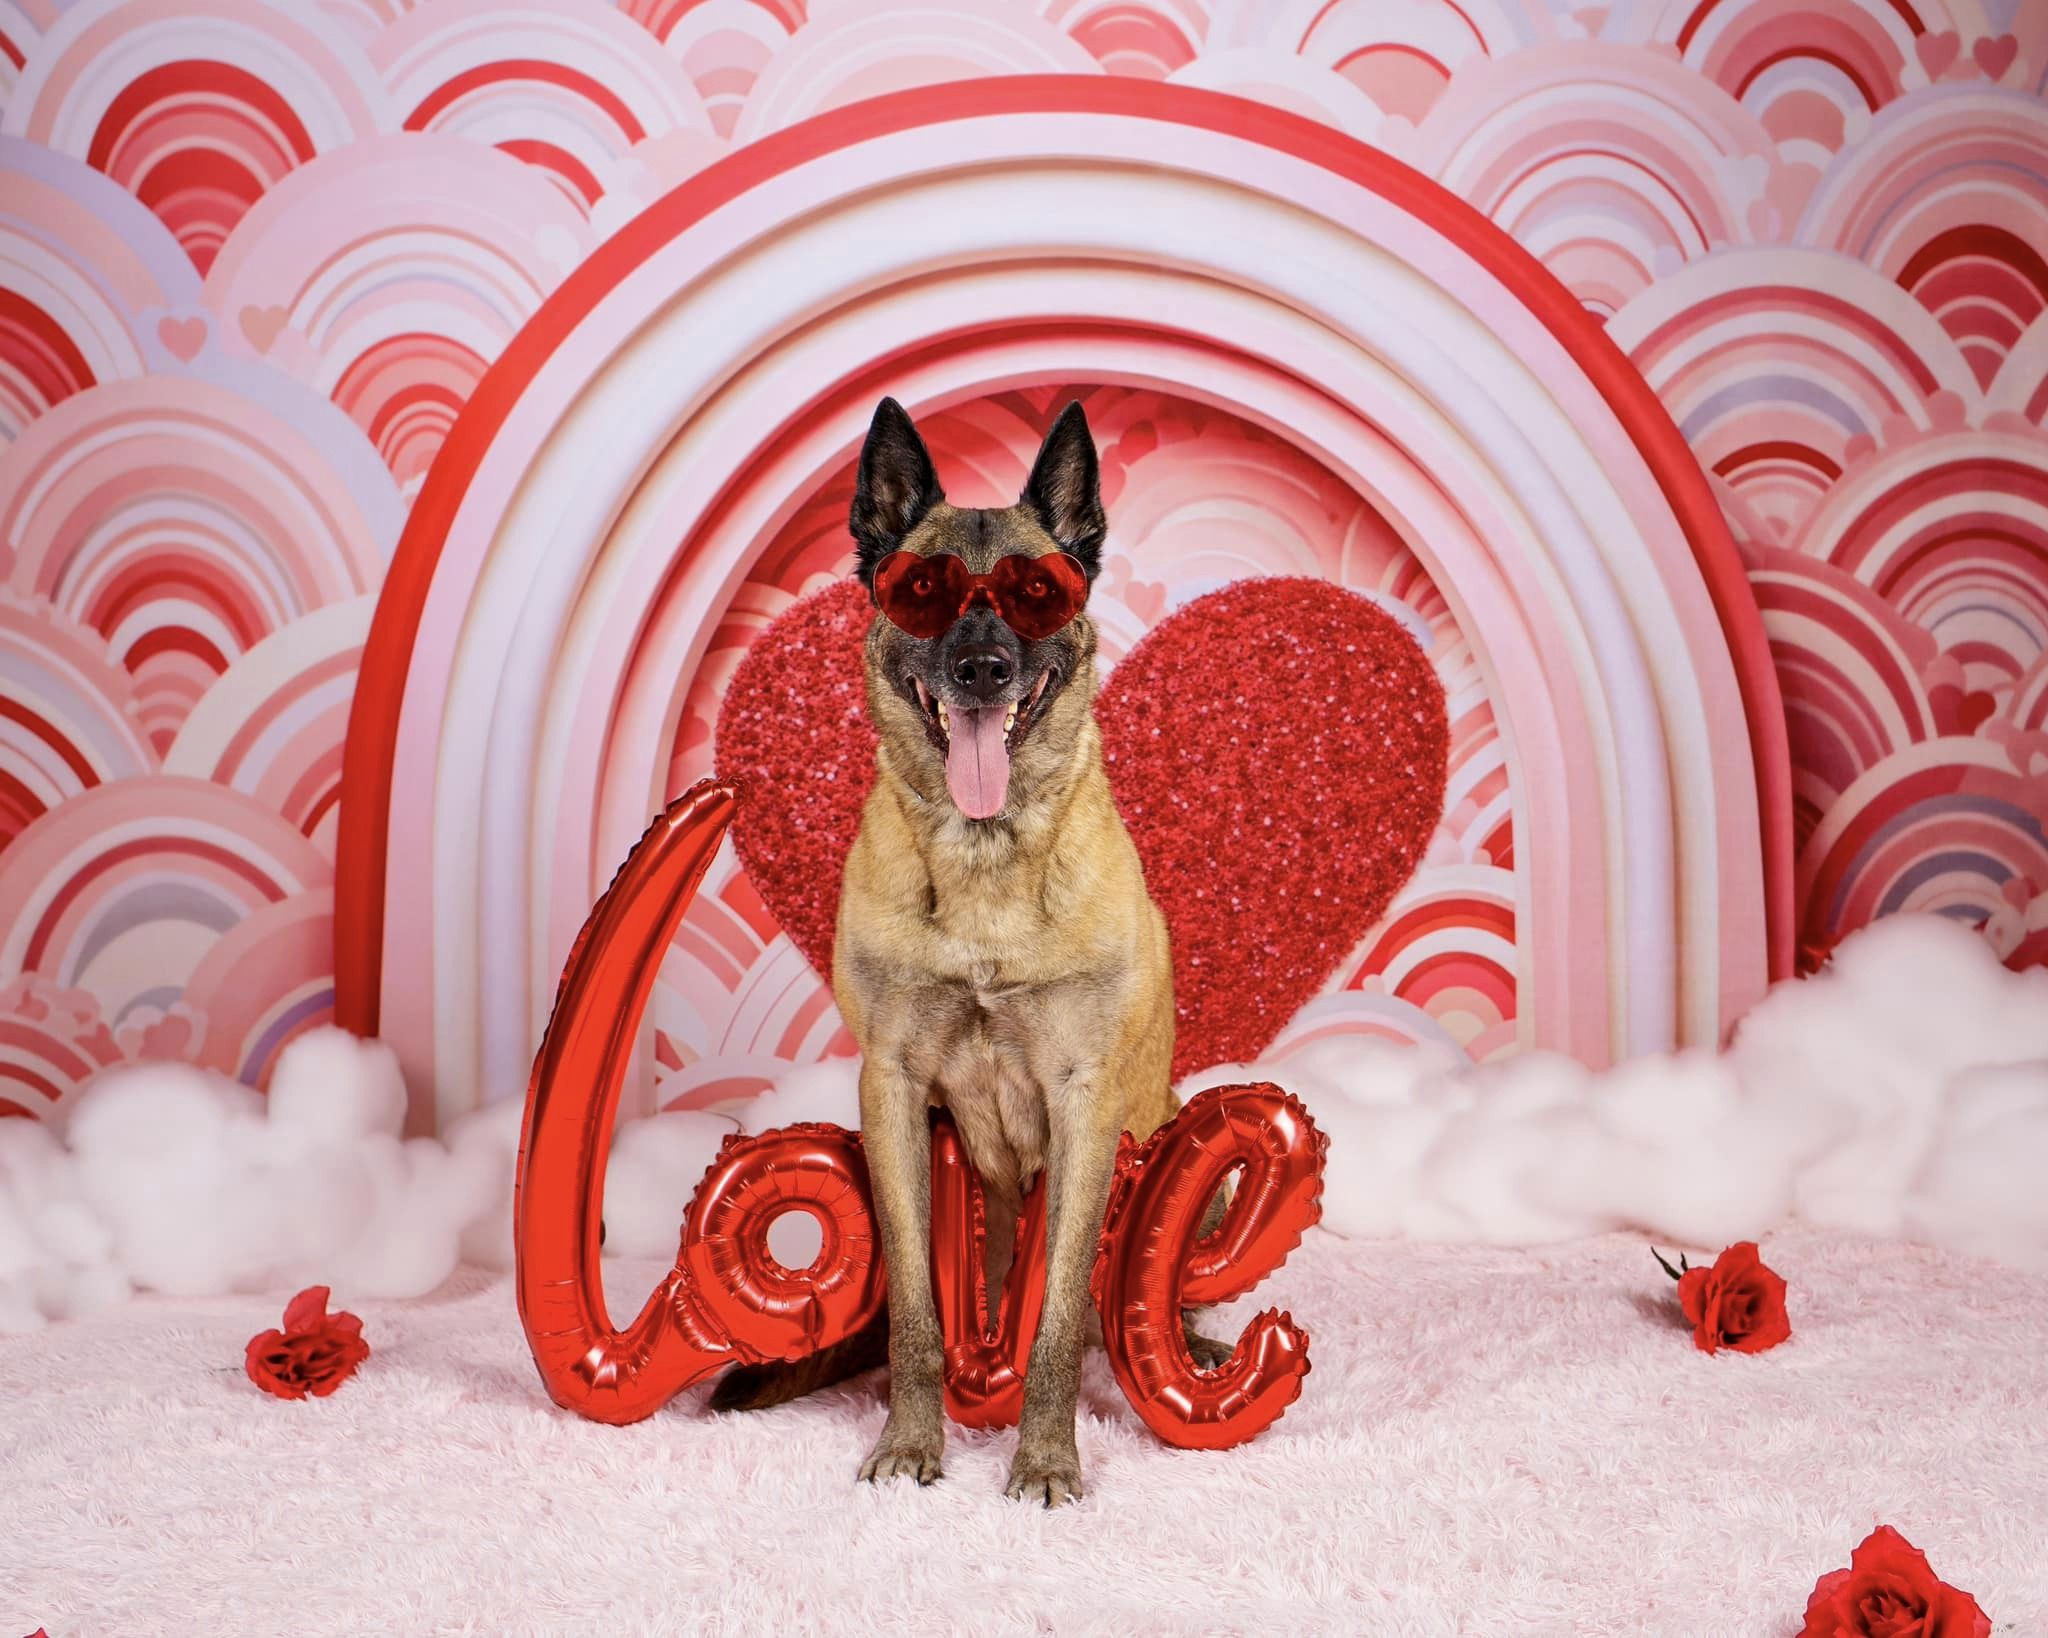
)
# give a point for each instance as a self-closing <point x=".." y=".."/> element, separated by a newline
<point x="1677" y="373"/>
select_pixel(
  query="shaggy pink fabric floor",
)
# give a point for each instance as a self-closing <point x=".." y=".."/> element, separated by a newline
<point x="1490" y="1442"/>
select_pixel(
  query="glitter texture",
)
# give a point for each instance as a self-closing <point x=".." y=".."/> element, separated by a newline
<point x="1277" y="749"/>
<point x="793" y="734"/>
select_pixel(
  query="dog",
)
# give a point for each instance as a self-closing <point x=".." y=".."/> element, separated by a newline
<point x="997" y="953"/>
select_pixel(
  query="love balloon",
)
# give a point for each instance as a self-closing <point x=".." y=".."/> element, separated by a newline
<point x="728" y="1301"/>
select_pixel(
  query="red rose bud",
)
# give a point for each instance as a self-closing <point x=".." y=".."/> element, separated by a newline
<point x="315" y="1352"/>
<point x="1890" y="1591"/>
<point x="1736" y="1303"/>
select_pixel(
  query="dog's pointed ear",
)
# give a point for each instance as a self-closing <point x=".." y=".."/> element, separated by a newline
<point x="895" y="487"/>
<point x="1064" y="490"/>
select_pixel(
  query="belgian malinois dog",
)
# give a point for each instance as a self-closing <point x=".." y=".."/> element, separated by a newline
<point x="997" y="953"/>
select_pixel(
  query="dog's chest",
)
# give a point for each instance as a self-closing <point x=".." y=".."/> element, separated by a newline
<point x="997" y="1070"/>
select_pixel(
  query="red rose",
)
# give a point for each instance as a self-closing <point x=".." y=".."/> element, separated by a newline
<point x="1890" y="1591"/>
<point x="315" y="1352"/>
<point x="1738" y="1303"/>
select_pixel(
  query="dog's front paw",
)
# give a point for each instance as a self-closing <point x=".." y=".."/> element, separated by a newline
<point x="1050" y="1476"/>
<point x="901" y="1454"/>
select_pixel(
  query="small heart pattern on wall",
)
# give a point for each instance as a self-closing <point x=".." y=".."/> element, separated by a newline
<point x="182" y="337"/>
<point x="1278" y="749"/>
<point x="262" y="325"/>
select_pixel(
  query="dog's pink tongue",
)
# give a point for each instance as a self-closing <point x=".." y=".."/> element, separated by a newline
<point x="977" y="761"/>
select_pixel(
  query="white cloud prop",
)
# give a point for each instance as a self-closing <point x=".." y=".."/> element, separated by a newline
<point x="1903" y="1091"/>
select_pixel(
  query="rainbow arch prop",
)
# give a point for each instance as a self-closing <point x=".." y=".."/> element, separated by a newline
<point x="674" y="402"/>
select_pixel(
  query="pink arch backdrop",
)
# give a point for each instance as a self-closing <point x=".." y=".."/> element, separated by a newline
<point x="258" y="264"/>
<point x="611" y="487"/>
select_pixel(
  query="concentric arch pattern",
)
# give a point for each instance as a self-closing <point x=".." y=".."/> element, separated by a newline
<point x="256" y="257"/>
<point x="610" y="480"/>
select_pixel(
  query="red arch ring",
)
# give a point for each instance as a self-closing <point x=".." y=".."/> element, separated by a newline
<point x="372" y="744"/>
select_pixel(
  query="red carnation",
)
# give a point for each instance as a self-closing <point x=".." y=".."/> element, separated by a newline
<point x="1737" y="1303"/>
<point x="315" y="1352"/>
<point x="1890" y="1591"/>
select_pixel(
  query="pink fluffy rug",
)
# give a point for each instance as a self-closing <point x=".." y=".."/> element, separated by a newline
<point x="1498" y="1442"/>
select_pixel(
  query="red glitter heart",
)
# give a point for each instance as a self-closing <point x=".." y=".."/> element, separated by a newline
<point x="1277" y="748"/>
<point x="1278" y="751"/>
<point x="793" y="733"/>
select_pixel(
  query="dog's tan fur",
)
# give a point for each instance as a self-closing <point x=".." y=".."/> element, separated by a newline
<point x="1016" y="974"/>
<point x="1012" y="970"/>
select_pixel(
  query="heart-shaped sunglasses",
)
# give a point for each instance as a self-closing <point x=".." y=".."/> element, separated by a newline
<point x="1034" y="596"/>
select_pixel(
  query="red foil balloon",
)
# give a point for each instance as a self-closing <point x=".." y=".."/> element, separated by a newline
<point x="736" y="1288"/>
<point x="727" y="1300"/>
<point x="984" y="1364"/>
<point x="1154" y="1260"/>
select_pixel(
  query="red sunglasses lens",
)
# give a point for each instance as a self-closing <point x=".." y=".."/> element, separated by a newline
<point x="921" y="594"/>
<point x="1035" y="596"/>
<point x="1038" y="595"/>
